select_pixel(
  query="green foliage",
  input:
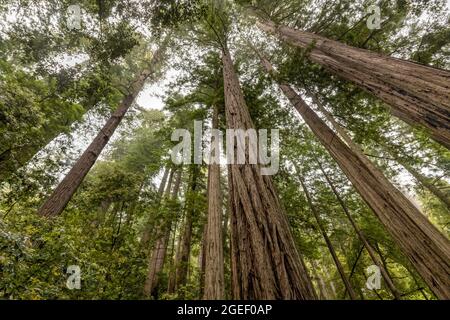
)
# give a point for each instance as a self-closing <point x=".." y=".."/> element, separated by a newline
<point x="53" y="79"/>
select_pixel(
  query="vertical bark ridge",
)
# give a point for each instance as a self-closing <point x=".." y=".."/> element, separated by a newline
<point x="265" y="261"/>
<point x="214" y="263"/>
<point x="416" y="93"/>
<point x="427" y="249"/>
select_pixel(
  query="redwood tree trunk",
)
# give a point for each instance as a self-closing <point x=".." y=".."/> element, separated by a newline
<point x="417" y="94"/>
<point x="265" y="262"/>
<point x="182" y="259"/>
<point x="214" y="263"/>
<point x="201" y="261"/>
<point x="156" y="261"/>
<point x="58" y="200"/>
<point x="147" y="229"/>
<point x="338" y="264"/>
<point x="362" y="237"/>
<point x="417" y="175"/>
<point x="427" y="249"/>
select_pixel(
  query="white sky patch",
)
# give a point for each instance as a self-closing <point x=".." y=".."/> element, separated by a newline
<point x="151" y="96"/>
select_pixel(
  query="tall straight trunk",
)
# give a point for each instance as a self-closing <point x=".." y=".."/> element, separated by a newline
<point x="214" y="263"/>
<point x="182" y="259"/>
<point x="427" y="249"/>
<point x="147" y="228"/>
<point x="155" y="258"/>
<point x="362" y="237"/>
<point x="265" y="261"/>
<point x="61" y="196"/>
<point x="156" y="261"/>
<point x="417" y="94"/>
<point x="328" y="242"/>
<point x="417" y="175"/>
<point x="357" y="150"/>
<point x="201" y="261"/>
<point x="174" y="254"/>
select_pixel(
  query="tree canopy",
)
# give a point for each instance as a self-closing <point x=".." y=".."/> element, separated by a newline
<point x="88" y="115"/>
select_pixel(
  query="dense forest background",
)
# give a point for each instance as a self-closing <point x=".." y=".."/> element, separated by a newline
<point x="364" y="120"/>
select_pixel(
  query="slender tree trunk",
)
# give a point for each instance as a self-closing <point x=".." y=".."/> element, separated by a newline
<point x="147" y="229"/>
<point x="214" y="263"/>
<point x="362" y="237"/>
<point x="265" y="262"/>
<point x="427" y="249"/>
<point x="338" y="264"/>
<point x="182" y="260"/>
<point x="417" y="94"/>
<point x="357" y="149"/>
<point x="156" y="261"/>
<point x="58" y="200"/>
<point x="424" y="181"/>
<point x="175" y="253"/>
<point x="201" y="261"/>
<point x="417" y="175"/>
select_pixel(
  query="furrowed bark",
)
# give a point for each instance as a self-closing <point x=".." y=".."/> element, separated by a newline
<point x="417" y="94"/>
<point x="427" y="249"/>
<point x="417" y="175"/>
<point x="61" y="196"/>
<point x="265" y="262"/>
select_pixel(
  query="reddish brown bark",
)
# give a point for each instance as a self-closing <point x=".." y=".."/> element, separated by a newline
<point x="417" y="94"/>
<point x="201" y="261"/>
<point x="58" y="200"/>
<point x="214" y="263"/>
<point x="265" y="263"/>
<point x="427" y="249"/>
